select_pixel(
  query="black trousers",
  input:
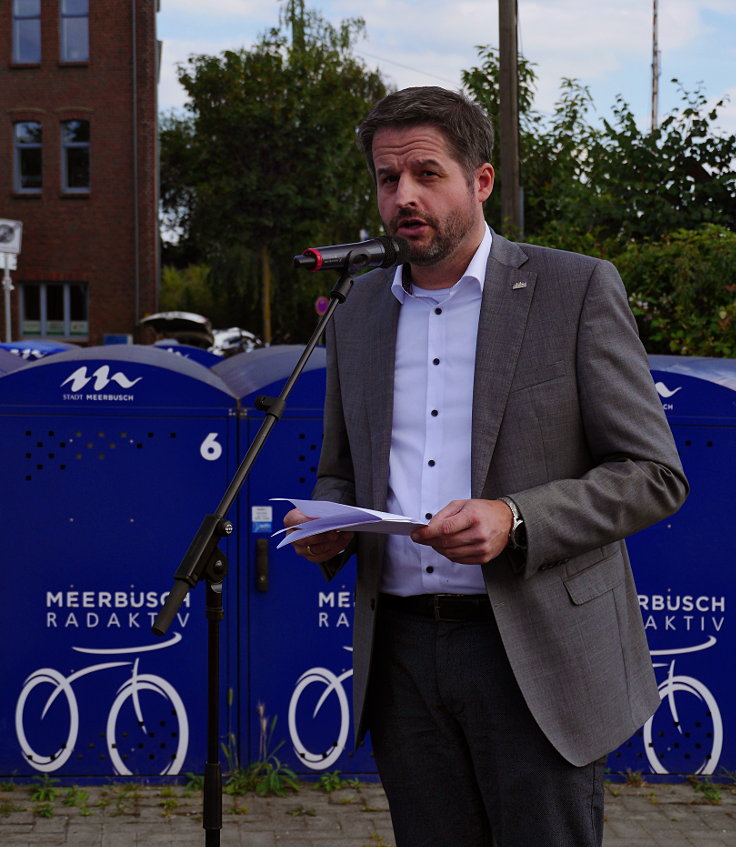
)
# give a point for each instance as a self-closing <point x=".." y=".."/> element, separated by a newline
<point x="460" y="757"/>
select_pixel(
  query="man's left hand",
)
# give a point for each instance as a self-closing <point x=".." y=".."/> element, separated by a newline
<point x="469" y="532"/>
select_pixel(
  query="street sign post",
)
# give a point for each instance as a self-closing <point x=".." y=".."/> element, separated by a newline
<point x="10" y="236"/>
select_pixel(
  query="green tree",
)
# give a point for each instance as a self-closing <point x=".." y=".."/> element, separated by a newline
<point x="600" y="186"/>
<point x="483" y="83"/>
<point x="266" y="163"/>
<point x="550" y="149"/>
<point x="661" y="204"/>
<point x="647" y="184"/>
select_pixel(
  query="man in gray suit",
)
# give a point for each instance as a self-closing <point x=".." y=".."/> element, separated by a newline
<point x="500" y="392"/>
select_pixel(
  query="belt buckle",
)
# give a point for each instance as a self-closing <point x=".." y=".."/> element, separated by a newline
<point x="437" y="599"/>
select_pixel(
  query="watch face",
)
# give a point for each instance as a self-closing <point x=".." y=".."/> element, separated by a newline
<point x="519" y="535"/>
<point x="6" y="233"/>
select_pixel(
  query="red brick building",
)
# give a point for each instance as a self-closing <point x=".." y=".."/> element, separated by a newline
<point x="78" y="164"/>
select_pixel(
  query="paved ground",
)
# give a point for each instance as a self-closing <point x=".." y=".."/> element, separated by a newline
<point x="134" y="816"/>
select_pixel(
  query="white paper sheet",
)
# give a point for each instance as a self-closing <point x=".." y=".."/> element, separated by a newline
<point x="330" y="516"/>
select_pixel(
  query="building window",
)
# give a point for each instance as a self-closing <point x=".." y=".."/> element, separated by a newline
<point x="74" y="30"/>
<point x="75" y="156"/>
<point x="54" y="310"/>
<point x="28" y="157"/>
<point x="27" y="31"/>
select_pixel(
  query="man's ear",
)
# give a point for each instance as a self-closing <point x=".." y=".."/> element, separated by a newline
<point x="484" y="179"/>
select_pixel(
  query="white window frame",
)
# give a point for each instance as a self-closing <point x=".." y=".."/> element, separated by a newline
<point x="25" y="145"/>
<point x="65" y="19"/>
<point x="18" y="23"/>
<point x="74" y="145"/>
<point x="73" y="329"/>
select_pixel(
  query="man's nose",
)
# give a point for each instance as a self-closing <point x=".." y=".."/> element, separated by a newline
<point x="405" y="192"/>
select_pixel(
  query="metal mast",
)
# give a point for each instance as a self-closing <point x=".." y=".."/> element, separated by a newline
<point x="655" y="65"/>
<point x="509" y="117"/>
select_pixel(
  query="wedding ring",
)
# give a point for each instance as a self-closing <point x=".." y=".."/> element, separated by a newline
<point x="309" y="550"/>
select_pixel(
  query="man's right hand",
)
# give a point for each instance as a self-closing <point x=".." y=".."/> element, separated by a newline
<point x="320" y="547"/>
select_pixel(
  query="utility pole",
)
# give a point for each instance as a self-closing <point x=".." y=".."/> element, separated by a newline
<point x="655" y="65"/>
<point x="509" y="116"/>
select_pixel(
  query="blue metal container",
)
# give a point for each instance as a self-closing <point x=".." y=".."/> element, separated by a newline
<point x="296" y="629"/>
<point x="684" y="569"/>
<point x="110" y="458"/>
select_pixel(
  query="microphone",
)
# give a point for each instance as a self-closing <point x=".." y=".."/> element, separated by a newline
<point x="377" y="253"/>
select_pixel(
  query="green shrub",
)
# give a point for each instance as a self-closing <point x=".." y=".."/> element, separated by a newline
<point x="682" y="291"/>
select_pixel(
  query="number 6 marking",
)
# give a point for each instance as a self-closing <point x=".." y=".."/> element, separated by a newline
<point x="210" y="449"/>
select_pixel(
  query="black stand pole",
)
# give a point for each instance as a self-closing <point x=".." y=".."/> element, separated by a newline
<point x="212" y="807"/>
<point x="204" y="561"/>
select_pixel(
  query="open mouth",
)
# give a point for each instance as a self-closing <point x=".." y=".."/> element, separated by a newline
<point x="409" y="225"/>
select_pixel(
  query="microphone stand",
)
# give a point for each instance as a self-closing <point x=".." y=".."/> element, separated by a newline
<point x="204" y="561"/>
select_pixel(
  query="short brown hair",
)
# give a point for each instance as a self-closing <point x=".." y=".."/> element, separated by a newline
<point x="464" y="124"/>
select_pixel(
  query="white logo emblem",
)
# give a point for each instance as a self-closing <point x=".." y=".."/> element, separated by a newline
<point x="665" y="392"/>
<point x="102" y="378"/>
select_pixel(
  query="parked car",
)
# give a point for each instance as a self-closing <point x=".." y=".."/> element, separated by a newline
<point x="196" y="331"/>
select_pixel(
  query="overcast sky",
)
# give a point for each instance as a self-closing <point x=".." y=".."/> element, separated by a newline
<point x="606" y="44"/>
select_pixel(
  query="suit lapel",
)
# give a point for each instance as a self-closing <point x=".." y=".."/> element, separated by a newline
<point x="380" y="333"/>
<point x="507" y="296"/>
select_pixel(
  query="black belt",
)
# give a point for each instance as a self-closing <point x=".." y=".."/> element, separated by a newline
<point x="441" y="607"/>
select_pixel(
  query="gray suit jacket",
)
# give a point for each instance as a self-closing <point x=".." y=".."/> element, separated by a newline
<point x="566" y="420"/>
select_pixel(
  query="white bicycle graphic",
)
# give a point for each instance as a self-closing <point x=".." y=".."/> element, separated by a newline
<point x="130" y="689"/>
<point x="692" y="727"/>
<point x="332" y="683"/>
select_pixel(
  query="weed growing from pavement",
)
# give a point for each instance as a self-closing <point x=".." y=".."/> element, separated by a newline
<point x="169" y="805"/>
<point x="634" y="778"/>
<point x="237" y="809"/>
<point x="267" y="776"/>
<point x="710" y="792"/>
<point x="44" y="792"/>
<point x="75" y="796"/>
<point x="194" y="784"/>
<point x="332" y="781"/>
<point x="377" y="841"/>
<point x="126" y="798"/>
<point x="44" y="789"/>
<point x="104" y="800"/>
<point x="301" y="811"/>
<point x="7" y="808"/>
<point x="729" y="777"/>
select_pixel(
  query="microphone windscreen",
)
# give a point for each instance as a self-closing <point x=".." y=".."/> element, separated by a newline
<point x="397" y="251"/>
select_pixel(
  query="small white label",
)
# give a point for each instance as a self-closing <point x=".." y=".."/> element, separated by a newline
<point x="261" y="518"/>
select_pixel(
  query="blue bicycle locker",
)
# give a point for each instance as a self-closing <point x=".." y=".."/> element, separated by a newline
<point x="684" y="569"/>
<point x="295" y="627"/>
<point x="111" y="456"/>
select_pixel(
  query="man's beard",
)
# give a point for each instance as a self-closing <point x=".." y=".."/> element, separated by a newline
<point x="448" y="234"/>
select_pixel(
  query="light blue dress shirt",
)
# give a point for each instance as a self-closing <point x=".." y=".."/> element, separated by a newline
<point x="430" y="462"/>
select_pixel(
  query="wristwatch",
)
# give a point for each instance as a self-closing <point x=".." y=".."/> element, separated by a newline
<point x="517" y="533"/>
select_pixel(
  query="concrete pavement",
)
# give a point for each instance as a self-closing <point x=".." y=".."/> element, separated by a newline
<point x="170" y="816"/>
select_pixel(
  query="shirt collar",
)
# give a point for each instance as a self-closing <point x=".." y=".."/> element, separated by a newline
<point x="476" y="270"/>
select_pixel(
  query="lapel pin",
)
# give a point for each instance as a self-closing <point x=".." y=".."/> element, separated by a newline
<point x="518" y="285"/>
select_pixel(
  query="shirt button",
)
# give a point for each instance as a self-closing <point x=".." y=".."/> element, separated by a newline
<point x="434" y="413"/>
<point x="435" y="361"/>
<point x="438" y="311"/>
<point x="430" y="569"/>
<point x="428" y="516"/>
<point x="431" y="463"/>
